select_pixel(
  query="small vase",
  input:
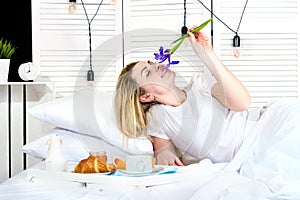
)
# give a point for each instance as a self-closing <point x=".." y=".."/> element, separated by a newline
<point x="4" y="69"/>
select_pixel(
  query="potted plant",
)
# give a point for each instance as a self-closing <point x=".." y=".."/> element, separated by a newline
<point x="6" y="51"/>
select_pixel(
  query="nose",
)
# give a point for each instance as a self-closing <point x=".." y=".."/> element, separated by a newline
<point x="159" y="66"/>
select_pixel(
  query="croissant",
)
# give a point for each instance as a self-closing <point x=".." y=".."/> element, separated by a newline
<point x="92" y="165"/>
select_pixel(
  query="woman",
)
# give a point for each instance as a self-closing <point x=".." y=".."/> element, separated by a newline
<point x="205" y="122"/>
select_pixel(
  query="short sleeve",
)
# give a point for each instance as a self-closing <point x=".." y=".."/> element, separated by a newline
<point x="155" y="128"/>
<point x="159" y="135"/>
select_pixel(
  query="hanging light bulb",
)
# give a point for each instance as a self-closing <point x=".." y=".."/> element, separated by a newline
<point x="236" y="46"/>
<point x="90" y="78"/>
<point x="72" y="6"/>
<point x="184" y="30"/>
<point x="90" y="75"/>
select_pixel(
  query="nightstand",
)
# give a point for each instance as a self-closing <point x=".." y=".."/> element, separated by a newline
<point x="15" y="122"/>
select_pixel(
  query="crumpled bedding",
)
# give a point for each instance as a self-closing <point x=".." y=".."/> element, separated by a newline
<point x="203" y="180"/>
<point x="266" y="167"/>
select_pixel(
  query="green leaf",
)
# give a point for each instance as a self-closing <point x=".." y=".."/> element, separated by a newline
<point x="173" y="49"/>
<point x="198" y="28"/>
<point x="6" y="49"/>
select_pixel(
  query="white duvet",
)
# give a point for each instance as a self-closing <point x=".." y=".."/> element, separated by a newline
<point x="266" y="167"/>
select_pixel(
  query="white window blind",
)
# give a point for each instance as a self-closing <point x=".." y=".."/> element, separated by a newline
<point x="269" y="61"/>
<point x="61" y="43"/>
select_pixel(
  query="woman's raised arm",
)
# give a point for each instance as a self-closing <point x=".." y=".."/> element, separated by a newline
<point x="228" y="90"/>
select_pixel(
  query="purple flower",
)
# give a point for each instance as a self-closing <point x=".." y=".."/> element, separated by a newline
<point x="164" y="55"/>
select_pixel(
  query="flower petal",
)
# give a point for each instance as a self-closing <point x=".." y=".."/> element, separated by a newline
<point x="163" y="55"/>
<point x="174" y="62"/>
<point x="161" y="50"/>
<point x="156" y="56"/>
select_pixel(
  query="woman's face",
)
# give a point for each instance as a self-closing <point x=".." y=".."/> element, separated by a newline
<point x="154" y="78"/>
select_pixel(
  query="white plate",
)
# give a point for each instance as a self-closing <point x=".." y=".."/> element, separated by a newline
<point x="155" y="170"/>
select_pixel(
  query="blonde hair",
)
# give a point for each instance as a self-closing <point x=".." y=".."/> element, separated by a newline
<point x="130" y="112"/>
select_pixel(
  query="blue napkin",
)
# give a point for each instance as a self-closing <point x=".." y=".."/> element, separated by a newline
<point x="155" y="171"/>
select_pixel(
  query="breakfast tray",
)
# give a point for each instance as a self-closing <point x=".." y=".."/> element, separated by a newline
<point x="165" y="175"/>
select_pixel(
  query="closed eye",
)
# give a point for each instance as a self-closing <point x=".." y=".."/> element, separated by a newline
<point x="147" y="73"/>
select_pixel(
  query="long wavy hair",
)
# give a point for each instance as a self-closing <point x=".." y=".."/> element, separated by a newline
<point x="131" y="114"/>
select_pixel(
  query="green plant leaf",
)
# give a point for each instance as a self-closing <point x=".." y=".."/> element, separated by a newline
<point x="6" y="49"/>
<point x="198" y="28"/>
<point x="173" y="49"/>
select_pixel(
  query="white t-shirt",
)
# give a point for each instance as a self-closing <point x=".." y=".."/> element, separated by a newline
<point x="200" y="126"/>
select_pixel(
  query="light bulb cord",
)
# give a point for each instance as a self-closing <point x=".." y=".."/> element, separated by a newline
<point x="184" y="29"/>
<point x="242" y="16"/>
<point x="90" y="72"/>
<point x="211" y="12"/>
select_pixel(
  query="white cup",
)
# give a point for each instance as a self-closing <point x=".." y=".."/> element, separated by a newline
<point x="139" y="163"/>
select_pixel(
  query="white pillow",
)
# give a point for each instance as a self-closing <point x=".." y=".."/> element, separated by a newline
<point x="75" y="147"/>
<point x="90" y="111"/>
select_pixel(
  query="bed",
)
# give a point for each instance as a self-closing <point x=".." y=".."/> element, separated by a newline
<point x="248" y="176"/>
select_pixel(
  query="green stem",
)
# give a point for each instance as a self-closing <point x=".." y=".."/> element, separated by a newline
<point x="198" y="28"/>
<point x="173" y="49"/>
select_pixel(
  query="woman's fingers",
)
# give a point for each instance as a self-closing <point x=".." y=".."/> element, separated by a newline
<point x="178" y="162"/>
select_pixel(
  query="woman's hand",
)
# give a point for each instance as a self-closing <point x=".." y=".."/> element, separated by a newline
<point x="165" y="152"/>
<point x="200" y="42"/>
<point x="166" y="157"/>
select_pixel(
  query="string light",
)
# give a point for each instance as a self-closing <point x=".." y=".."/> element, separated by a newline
<point x="184" y="29"/>
<point x="90" y="73"/>
<point x="236" y="46"/>
<point x="236" y="38"/>
<point x="72" y="6"/>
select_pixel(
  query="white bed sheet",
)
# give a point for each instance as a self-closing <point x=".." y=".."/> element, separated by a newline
<point x="186" y="182"/>
<point x="197" y="181"/>
<point x="266" y="167"/>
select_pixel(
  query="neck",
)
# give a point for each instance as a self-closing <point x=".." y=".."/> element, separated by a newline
<point x="173" y="98"/>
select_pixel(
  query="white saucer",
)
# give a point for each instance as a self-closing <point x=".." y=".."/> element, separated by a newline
<point x="155" y="170"/>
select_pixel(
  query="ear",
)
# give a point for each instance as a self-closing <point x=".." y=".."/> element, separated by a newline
<point x="145" y="98"/>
